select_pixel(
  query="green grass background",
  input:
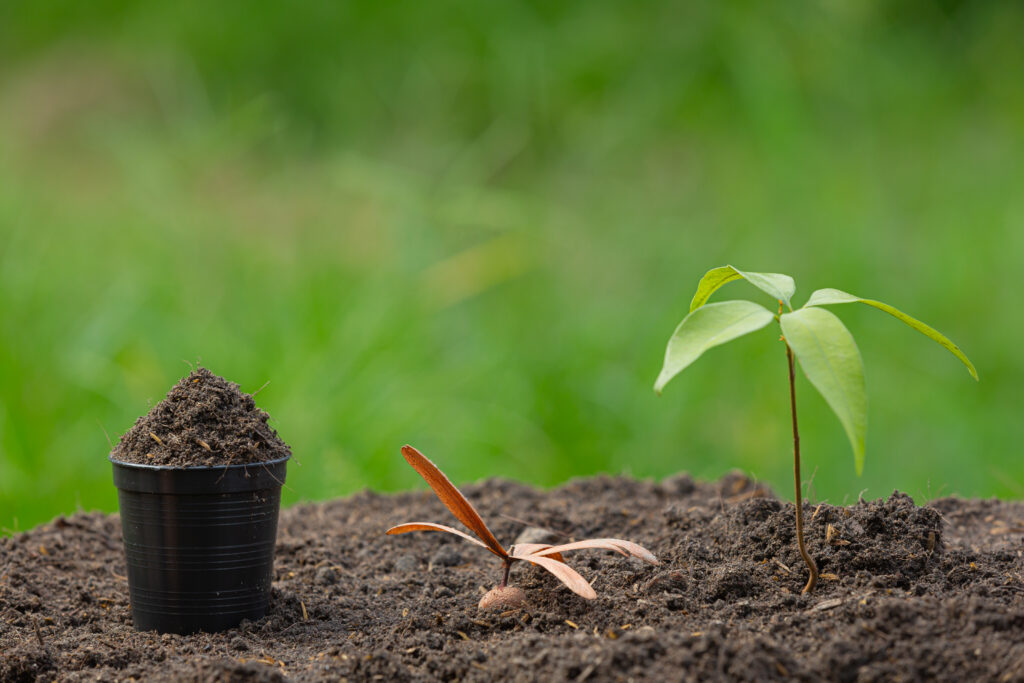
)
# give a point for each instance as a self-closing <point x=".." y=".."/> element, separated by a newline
<point x="473" y="226"/>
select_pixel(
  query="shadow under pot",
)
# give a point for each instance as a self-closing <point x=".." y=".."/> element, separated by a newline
<point x="199" y="542"/>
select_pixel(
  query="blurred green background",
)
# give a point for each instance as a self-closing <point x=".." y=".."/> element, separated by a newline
<point x="473" y="227"/>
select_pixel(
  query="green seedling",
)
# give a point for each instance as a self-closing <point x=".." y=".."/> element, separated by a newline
<point x="825" y="348"/>
<point x="543" y="555"/>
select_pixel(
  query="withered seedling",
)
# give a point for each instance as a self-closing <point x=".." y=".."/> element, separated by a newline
<point x="547" y="556"/>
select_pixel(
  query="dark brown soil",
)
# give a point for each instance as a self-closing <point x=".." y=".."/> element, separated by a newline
<point x="907" y="593"/>
<point x="204" y="421"/>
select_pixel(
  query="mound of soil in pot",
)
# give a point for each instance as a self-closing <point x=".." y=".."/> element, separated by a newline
<point x="906" y="593"/>
<point x="203" y="421"/>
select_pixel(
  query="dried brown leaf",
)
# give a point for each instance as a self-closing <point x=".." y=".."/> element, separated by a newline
<point x="531" y="549"/>
<point x="430" y="526"/>
<point x="618" y="545"/>
<point x="452" y="498"/>
<point x="564" y="573"/>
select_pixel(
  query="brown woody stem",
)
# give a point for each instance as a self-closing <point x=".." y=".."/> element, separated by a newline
<point x="811" y="566"/>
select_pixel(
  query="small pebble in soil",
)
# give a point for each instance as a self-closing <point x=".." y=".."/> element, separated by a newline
<point x="446" y="557"/>
<point x="669" y="581"/>
<point x="326" y="576"/>
<point x="533" y="534"/>
<point x="406" y="563"/>
<point x="678" y="485"/>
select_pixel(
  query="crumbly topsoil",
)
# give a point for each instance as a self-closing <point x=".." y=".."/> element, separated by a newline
<point x="204" y="421"/>
<point x="907" y="593"/>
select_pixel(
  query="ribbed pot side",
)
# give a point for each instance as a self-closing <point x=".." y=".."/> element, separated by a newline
<point x="199" y="542"/>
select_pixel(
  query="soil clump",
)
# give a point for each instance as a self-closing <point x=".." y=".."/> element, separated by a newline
<point x="204" y="421"/>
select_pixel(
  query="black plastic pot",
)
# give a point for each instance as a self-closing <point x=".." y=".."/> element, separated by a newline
<point x="199" y="542"/>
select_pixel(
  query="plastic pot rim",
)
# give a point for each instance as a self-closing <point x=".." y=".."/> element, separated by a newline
<point x="193" y="468"/>
<point x="201" y="480"/>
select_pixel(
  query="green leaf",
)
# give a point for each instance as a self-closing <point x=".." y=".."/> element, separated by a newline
<point x="707" y="327"/>
<point x="824" y="297"/>
<point x="778" y="286"/>
<point x="831" y="361"/>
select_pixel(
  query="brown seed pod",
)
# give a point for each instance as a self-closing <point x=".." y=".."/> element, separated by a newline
<point x="508" y="597"/>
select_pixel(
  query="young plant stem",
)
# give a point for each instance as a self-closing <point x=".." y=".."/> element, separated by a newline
<point x="811" y="566"/>
<point x="504" y="576"/>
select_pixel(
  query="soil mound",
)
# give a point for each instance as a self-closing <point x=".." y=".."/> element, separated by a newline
<point x="724" y="604"/>
<point x="203" y="421"/>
